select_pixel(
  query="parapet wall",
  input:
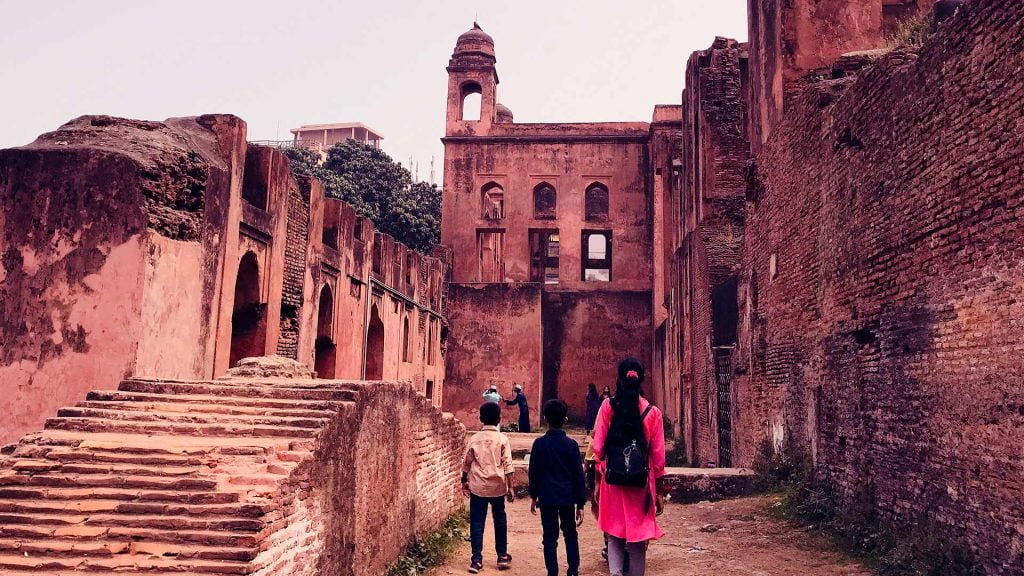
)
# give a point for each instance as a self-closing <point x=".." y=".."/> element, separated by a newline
<point x="883" y="288"/>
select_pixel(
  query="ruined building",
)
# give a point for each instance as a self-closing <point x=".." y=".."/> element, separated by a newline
<point x="141" y="260"/>
<point x="847" y="270"/>
<point x="550" y="227"/>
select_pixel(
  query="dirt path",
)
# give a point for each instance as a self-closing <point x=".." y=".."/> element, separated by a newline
<point x="733" y="537"/>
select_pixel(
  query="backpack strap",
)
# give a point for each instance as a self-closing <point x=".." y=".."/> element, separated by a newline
<point x="646" y="412"/>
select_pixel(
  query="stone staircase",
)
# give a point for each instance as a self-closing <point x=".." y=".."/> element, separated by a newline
<point x="161" y="477"/>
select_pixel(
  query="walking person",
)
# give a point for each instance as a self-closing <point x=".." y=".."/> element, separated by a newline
<point x="593" y="405"/>
<point x="487" y="479"/>
<point x="524" y="408"/>
<point x="558" y="488"/>
<point x="629" y="445"/>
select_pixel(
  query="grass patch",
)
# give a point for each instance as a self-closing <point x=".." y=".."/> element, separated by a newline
<point x="854" y="524"/>
<point x="912" y="31"/>
<point x="433" y="549"/>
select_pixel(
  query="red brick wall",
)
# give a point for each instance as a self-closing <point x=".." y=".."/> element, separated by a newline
<point x="715" y="161"/>
<point x="887" y="343"/>
<point x="385" y="471"/>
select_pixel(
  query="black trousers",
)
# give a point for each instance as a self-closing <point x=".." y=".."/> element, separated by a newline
<point x="550" y="518"/>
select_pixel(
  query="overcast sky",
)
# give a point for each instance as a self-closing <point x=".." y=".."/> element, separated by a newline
<point x="380" y="62"/>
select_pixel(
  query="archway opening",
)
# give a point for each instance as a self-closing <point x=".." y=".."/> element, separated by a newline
<point x="326" y="350"/>
<point x="248" y="317"/>
<point x="375" y="346"/>
<point x="472" y="100"/>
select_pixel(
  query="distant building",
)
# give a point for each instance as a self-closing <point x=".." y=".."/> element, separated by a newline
<point x="320" y="137"/>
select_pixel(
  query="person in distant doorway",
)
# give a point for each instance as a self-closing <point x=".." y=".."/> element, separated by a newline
<point x="629" y="445"/>
<point x="593" y="405"/>
<point x="487" y="480"/>
<point x="492" y="395"/>
<point x="558" y="488"/>
<point x="524" y="408"/>
<point x="606" y="393"/>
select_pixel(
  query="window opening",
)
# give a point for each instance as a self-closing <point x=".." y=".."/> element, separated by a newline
<point x="545" y="202"/>
<point x="596" y="203"/>
<point x="544" y="255"/>
<point x="597" y="256"/>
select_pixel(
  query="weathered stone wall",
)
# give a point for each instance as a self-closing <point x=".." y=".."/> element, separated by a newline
<point x="585" y="338"/>
<point x="883" y="275"/>
<point x="495" y="338"/>
<point x="121" y="243"/>
<point x="98" y="220"/>
<point x="712" y="211"/>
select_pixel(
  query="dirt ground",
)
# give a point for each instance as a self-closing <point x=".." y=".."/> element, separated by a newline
<point x="733" y="537"/>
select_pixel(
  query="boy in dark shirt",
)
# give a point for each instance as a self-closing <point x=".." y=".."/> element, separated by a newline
<point x="558" y="488"/>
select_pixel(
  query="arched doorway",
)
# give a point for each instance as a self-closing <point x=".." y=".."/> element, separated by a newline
<point x="326" y="350"/>
<point x="248" y="317"/>
<point x="375" y="346"/>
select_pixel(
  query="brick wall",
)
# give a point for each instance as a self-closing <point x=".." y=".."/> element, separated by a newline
<point x="717" y="153"/>
<point x="384" y="472"/>
<point x="882" y="262"/>
<point x="296" y="241"/>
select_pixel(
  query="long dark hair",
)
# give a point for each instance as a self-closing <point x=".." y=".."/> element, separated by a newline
<point x="626" y="423"/>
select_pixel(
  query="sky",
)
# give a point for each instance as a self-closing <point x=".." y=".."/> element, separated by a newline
<point x="278" y="65"/>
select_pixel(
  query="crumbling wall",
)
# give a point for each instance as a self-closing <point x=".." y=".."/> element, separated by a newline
<point x="494" y="338"/>
<point x="100" y="229"/>
<point x="717" y="152"/>
<point x="883" y="265"/>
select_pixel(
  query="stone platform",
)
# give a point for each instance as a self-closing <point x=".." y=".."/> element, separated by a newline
<point x="686" y="485"/>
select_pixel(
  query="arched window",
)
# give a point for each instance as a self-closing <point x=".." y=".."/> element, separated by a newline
<point x="324" y="352"/>
<point x="471" y="102"/>
<point x="596" y="203"/>
<point x="597" y="256"/>
<point x="545" y="201"/>
<point x="375" y="346"/>
<point x="406" y="341"/>
<point x="492" y="201"/>
<point x="248" y="321"/>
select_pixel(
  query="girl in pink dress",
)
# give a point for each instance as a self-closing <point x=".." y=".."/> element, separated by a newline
<point x="627" y="514"/>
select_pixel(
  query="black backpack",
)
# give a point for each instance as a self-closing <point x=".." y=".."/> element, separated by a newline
<point x="625" y="461"/>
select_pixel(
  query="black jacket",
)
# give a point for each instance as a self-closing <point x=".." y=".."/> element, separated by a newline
<point x="556" y="470"/>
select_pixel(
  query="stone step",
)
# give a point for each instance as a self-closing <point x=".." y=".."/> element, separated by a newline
<point x="169" y="497"/>
<point x="214" y="524"/>
<point x="50" y="548"/>
<point x="189" y="417"/>
<point x="303" y="403"/>
<point x="120" y="457"/>
<point x="176" y="429"/>
<point x="239" y="390"/>
<point x="107" y="481"/>
<point x="206" y="408"/>
<point x="127" y="565"/>
<point x="151" y="535"/>
<point x="93" y="506"/>
<point x="51" y="466"/>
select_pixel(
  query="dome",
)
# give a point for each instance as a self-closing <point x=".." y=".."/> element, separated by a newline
<point x="475" y="40"/>
<point x="503" y="113"/>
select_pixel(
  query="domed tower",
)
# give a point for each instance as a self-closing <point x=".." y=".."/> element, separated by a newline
<point x="472" y="83"/>
<point x="503" y="114"/>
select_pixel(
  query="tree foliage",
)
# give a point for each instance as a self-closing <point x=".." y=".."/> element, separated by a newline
<point x="377" y="187"/>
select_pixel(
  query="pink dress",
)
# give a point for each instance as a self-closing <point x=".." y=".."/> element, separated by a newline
<point x="621" y="509"/>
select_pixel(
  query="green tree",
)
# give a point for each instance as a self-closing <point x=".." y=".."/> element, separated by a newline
<point x="377" y="187"/>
